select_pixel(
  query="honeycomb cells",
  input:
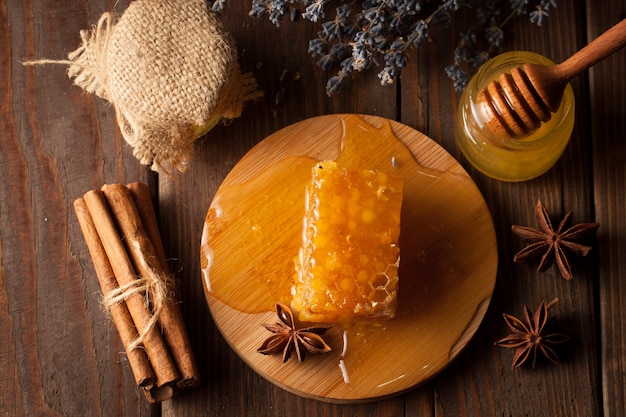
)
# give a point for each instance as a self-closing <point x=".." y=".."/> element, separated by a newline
<point x="347" y="267"/>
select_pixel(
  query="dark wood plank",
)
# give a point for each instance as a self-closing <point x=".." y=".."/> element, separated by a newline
<point x="60" y="352"/>
<point x="427" y="101"/>
<point x="480" y="382"/>
<point x="230" y="387"/>
<point x="607" y="127"/>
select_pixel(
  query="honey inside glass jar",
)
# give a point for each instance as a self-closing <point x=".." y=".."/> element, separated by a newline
<point x="508" y="158"/>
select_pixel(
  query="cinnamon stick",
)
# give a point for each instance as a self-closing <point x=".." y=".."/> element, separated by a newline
<point x="137" y="358"/>
<point x="143" y="201"/>
<point x="162" y="363"/>
<point x="129" y="209"/>
<point x="190" y="376"/>
<point x="158" y="394"/>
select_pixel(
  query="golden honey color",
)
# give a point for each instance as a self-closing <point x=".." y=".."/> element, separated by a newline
<point x="347" y="266"/>
<point x="505" y="158"/>
<point x="253" y="232"/>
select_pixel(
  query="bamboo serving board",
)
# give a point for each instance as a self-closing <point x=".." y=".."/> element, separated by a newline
<point x="447" y="269"/>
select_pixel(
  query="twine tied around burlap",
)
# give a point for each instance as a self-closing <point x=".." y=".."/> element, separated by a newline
<point x="169" y="69"/>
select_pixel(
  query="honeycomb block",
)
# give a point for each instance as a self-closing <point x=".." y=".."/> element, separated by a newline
<point x="347" y="267"/>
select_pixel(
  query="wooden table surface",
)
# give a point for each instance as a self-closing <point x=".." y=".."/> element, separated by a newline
<point x="59" y="352"/>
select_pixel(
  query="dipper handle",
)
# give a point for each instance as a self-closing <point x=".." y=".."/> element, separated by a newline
<point x="604" y="45"/>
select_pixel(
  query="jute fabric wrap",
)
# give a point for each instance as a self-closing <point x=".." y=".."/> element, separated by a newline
<point x="171" y="72"/>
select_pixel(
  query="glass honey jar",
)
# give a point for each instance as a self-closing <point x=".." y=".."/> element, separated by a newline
<point x="503" y="157"/>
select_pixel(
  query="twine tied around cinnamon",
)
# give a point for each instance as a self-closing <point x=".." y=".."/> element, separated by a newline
<point x="169" y="69"/>
<point x="122" y="234"/>
<point x="154" y="288"/>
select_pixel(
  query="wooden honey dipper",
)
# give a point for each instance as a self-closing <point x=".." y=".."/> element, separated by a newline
<point x="517" y="103"/>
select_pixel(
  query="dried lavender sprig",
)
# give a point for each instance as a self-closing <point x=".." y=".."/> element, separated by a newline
<point x="468" y="57"/>
<point x="381" y="32"/>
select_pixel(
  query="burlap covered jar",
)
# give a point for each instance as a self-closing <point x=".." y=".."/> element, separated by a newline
<point x="171" y="72"/>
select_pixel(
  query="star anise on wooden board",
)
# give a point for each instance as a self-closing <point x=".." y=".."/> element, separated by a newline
<point x="286" y="338"/>
<point x="528" y="338"/>
<point x="553" y="244"/>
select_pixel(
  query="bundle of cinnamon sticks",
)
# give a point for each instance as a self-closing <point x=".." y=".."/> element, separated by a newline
<point x="121" y="230"/>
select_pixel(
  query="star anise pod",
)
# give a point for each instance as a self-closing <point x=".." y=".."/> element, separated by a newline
<point x="553" y="244"/>
<point x="286" y="338"/>
<point x="528" y="337"/>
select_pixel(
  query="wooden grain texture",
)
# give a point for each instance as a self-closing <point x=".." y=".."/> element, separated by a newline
<point x="482" y="382"/>
<point x="607" y="125"/>
<point x="62" y="356"/>
<point x="535" y="91"/>
<point x="59" y="353"/>
<point x="230" y="381"/>
<point x="377" y="365"/>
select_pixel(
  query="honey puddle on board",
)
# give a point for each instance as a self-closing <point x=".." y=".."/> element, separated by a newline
<point x="253" y="232"/>
<point x="253" y="229"/>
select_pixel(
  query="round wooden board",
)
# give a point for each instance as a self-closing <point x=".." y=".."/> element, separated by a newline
<point x="438" y="318"/>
